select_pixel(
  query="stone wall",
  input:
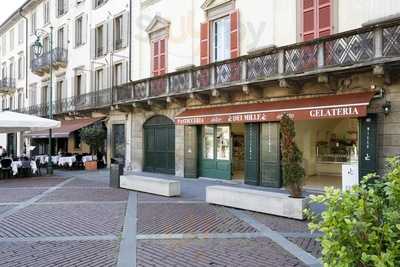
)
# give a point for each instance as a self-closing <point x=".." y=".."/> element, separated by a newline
<point x="139" y="117"/>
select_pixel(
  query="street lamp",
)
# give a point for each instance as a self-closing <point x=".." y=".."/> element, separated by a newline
<point x="38" y="51"/>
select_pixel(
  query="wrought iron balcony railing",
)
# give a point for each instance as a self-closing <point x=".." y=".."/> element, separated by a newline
<point x="42" y="63"/>
<point x="7" y="84"/>
<point x="365" y="47"/>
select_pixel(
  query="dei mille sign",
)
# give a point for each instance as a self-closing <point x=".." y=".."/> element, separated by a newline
<point x="338" y="106"/>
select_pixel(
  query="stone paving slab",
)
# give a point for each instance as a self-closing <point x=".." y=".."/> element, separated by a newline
<point x="172" y="218"/>
<point x="280" y="224"/>
<point x="72" y="253"/>
<point x="64" y="220"/>
<point x="86" y="183"/>
<point x="228" y="252"/>
<point x="18" y="194"/>
<point x="86" y="194"/>
<point x="6" y="208"/>
<point x="311" y="245"/>
<point x="31" y="182"/>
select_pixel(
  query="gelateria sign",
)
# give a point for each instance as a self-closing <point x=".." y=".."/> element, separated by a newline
<point x="210" y="116"/>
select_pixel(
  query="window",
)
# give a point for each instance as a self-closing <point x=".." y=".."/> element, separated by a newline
<point x="4" y="45"/>
<point x="20" y="99"/>
<point x="118" y="33"/>
<point x="20" y="32"/>
<point x="98" y="3"/>
<point x="62" y="7"/>
<point x="33" y="23"/>
<point x="60" y="89"/>
<point x="46" y="45"/>
<point x="100" y="41"/>
<point x="223" y="143"/>
<point x="317" y="19"/>
<point x="60" y="38"/>
<point x="118" y="79"/>
<point x="12" y="39"/>
<point x="221" y="39"/>
<point x="159" y="57"/>
<point x="208" y="142"/>
<point x="45" y="88"/>
<point x="32" y="95"/>
<point x="46" y="13"/>
<point x="20" y="67"/>
<point x="99" y="80"/>
<point x="11" y="70"/>
<point x="216" y="142"/>
<point x="78" y="85"/>
<point x="79" y="31"/>
<point x="4" y="71"/>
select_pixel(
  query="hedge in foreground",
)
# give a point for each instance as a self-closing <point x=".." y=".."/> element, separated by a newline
<point x="361" y="227"/>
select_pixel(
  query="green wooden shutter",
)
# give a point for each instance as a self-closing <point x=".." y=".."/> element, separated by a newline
<point x="368" y="145"/>
<point x="270" y="155"/>
<point x="191" y="152"/>
<point x="252" y="154"/>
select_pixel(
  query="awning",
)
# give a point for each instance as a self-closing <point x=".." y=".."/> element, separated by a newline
<point x="67" y="127"/>
<point x="326" y="107"/>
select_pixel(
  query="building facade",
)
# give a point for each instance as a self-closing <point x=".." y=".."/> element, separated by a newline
<point x="196" y="89"/>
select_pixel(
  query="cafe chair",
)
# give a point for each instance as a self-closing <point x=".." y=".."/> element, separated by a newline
<point x="6" y="170"/>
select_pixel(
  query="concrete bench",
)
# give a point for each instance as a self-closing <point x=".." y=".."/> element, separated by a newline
<point x="257" y="200"/>
<point x="151" y="185"/>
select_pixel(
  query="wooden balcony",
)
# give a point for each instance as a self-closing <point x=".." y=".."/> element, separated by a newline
<point x="41" y="65"/>
<point x="371" y="48"/>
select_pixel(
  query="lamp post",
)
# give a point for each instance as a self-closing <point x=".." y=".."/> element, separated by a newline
<point x="38" y="51"/>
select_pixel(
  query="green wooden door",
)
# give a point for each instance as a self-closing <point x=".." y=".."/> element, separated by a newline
<point x="252" y="154"/>
<point x="270" y="155"/>
<point x="368" y="145"/>
<point x="191" y="152"/>
<point x="215" y="153"/>
<point x="159" y="145"/>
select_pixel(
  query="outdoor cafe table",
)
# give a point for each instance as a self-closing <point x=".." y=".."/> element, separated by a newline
<point x="17" y="164"/>
<point x="45" y="159"/>
<point x="88" y="158"/>
<point x="66" y="160"/>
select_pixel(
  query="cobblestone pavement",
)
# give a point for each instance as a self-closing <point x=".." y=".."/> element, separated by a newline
<point x="60" y="221"/>
<point x="75" y="219"/>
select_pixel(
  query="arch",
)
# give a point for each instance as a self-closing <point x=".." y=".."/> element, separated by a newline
<point x="159" y="145"/>
<point x="158" y="120"/>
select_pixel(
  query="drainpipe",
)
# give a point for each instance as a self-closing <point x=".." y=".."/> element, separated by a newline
<point x="26" y="52"/>
<point x="130" y="41"/>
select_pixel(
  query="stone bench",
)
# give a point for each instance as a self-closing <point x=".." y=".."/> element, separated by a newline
<point x="168" y="188"/>
<point x="257" y="200"/>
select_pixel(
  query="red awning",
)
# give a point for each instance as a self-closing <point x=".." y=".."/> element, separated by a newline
<point x="326" y="107"/>
<point x="67" y="127"/>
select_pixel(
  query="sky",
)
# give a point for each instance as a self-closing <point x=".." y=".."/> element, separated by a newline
<point x="8" y="7"/>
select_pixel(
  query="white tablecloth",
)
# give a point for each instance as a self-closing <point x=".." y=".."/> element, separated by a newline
<point x="17" y="164"/>
<point x="45" y="159"/>
<point x="88" y="158"/>
<point x="66" y="160"/>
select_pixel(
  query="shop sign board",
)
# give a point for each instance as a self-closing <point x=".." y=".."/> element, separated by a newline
<point x="307" y="113"/>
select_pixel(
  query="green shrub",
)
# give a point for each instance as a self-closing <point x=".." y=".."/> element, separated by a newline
<point x="361" y="227"/>
<point x="94" y="137"/>
<point x="293" y="172"/>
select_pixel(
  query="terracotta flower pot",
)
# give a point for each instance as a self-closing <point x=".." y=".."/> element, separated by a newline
<point x="91" y="165"/>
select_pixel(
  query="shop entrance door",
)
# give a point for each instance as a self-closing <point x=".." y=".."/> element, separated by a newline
<point x="159" y="145"/>
<point x="215" y="153"/>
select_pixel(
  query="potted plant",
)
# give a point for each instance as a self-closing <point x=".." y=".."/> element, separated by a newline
<point x="94" y="137"/>
<point x="292" y="157"/>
